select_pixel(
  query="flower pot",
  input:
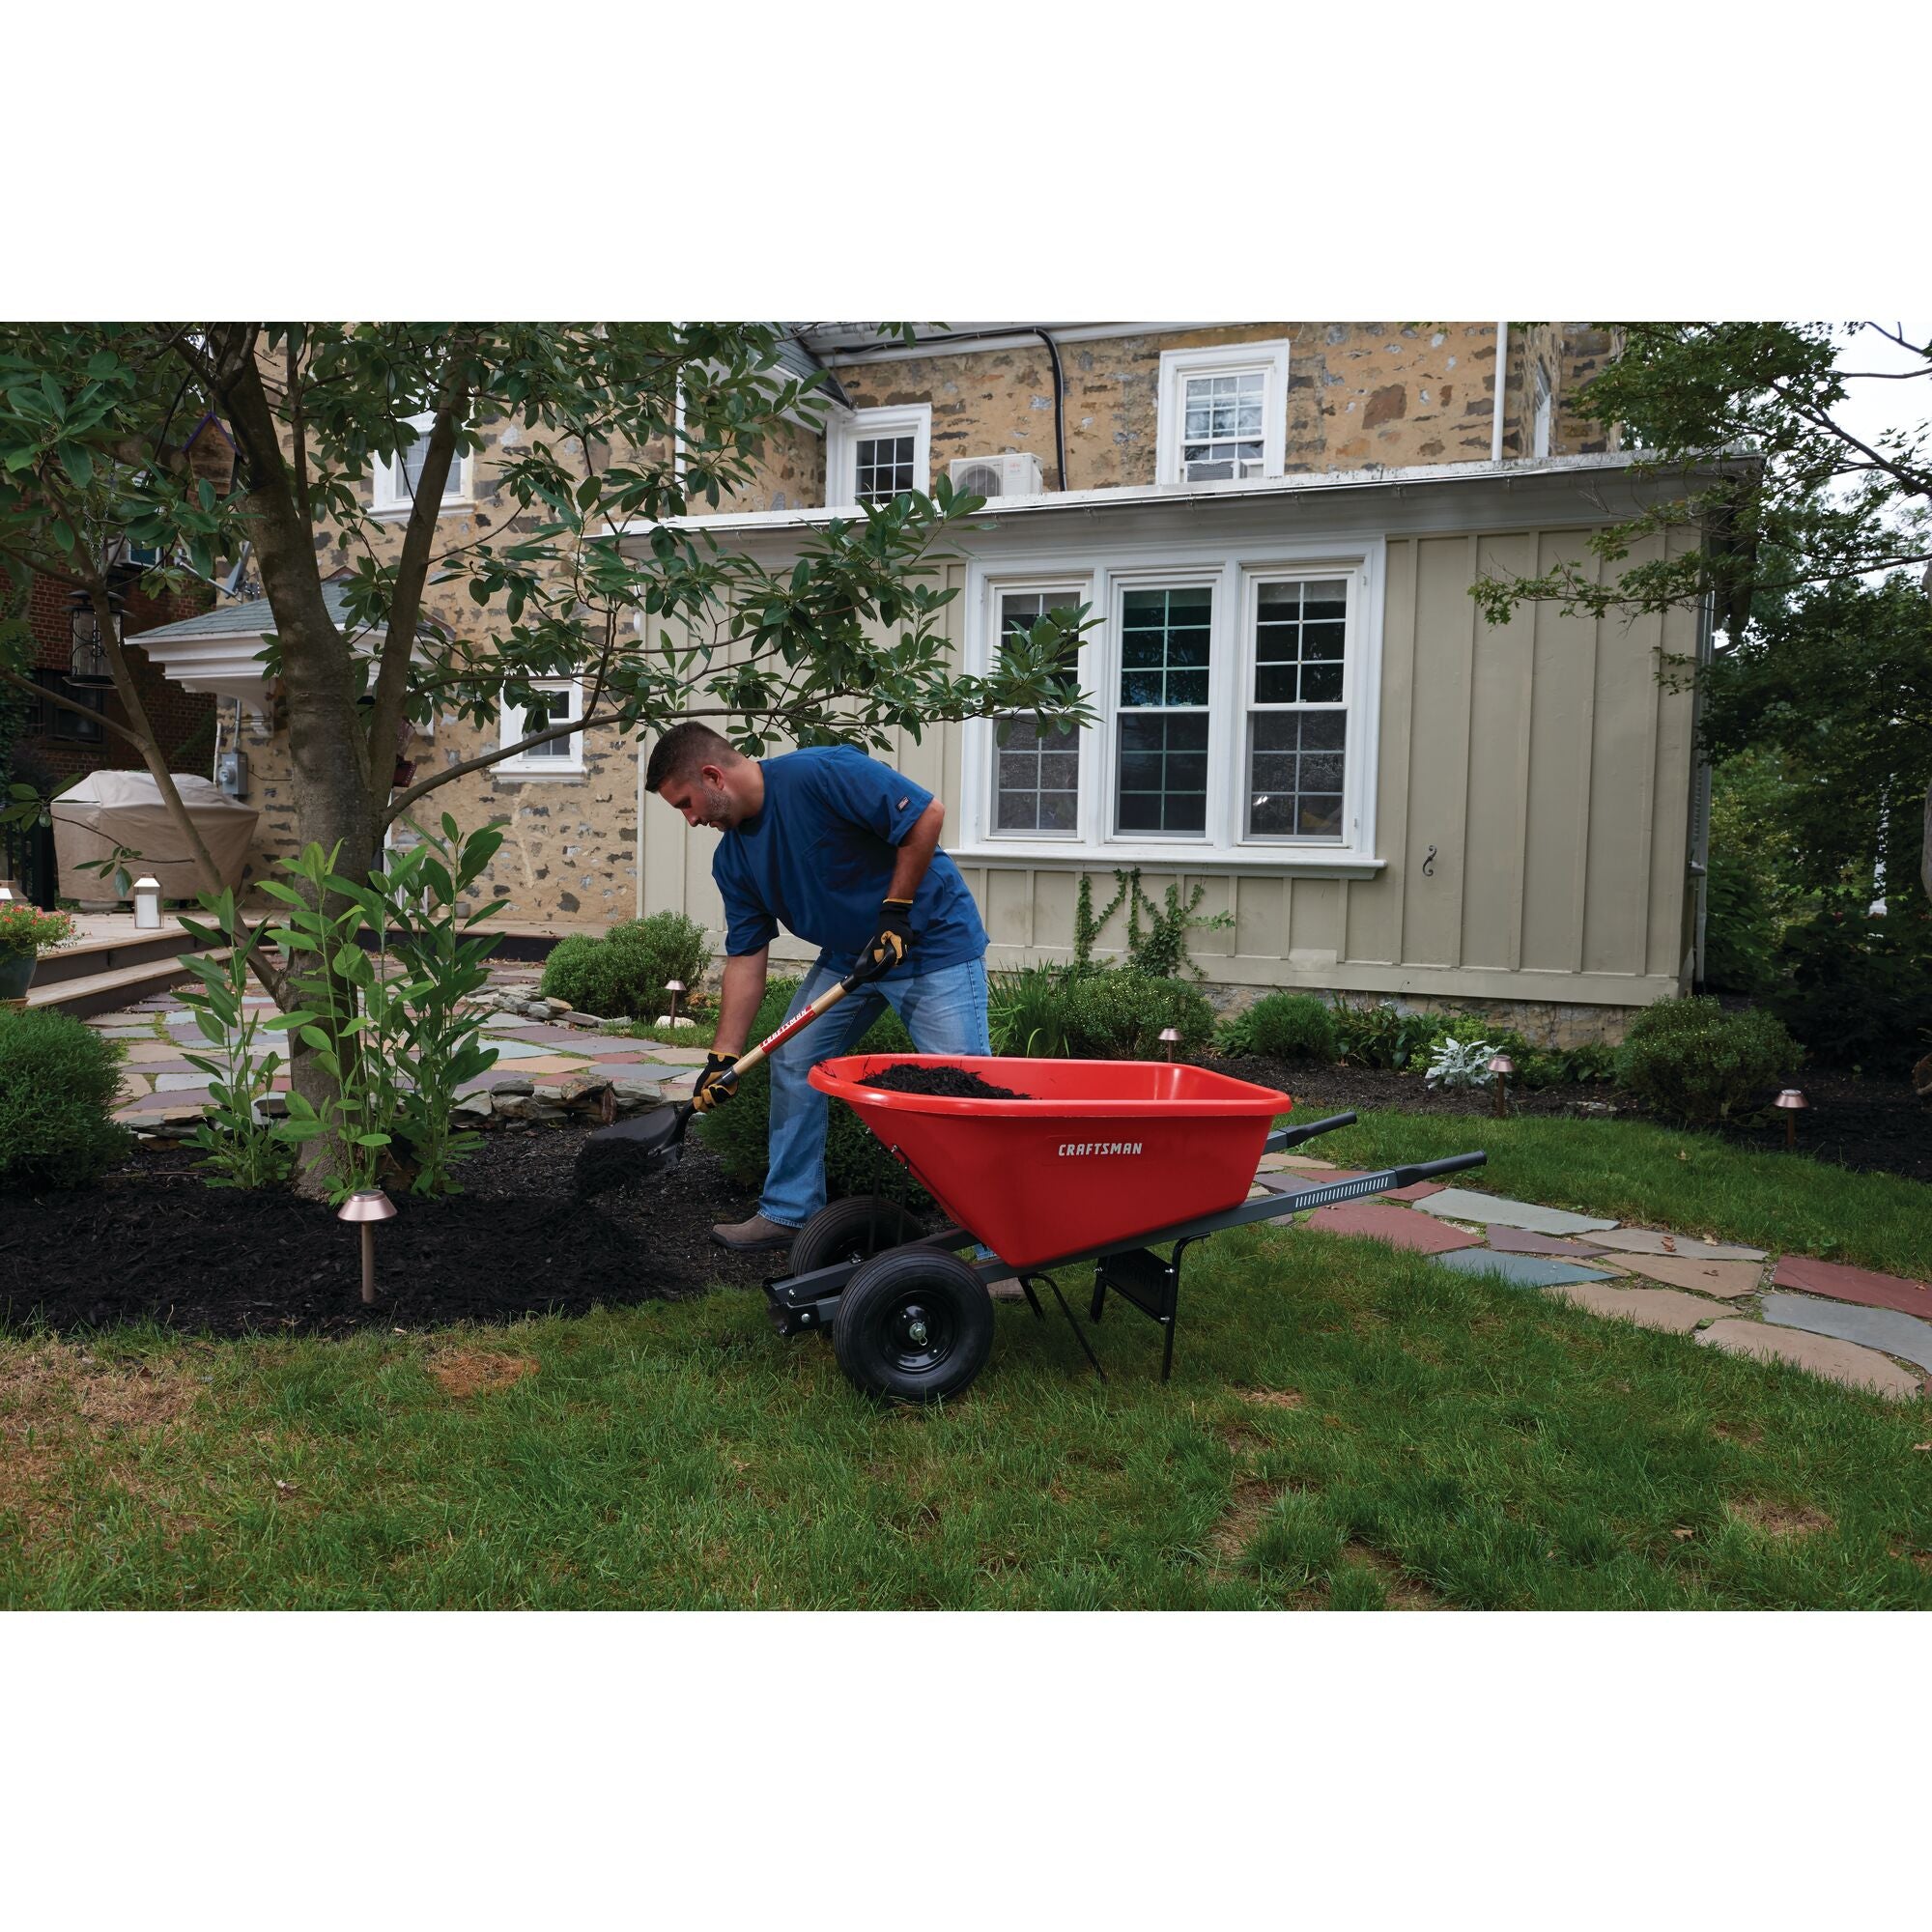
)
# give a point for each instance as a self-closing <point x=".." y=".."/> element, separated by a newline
<point x="17" y="969"/>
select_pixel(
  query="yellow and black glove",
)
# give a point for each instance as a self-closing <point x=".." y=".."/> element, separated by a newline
<point x="889" y="945"/>
<point x="712" y="1089"/>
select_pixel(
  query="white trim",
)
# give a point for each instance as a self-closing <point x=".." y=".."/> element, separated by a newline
<point x="1235" y="359"/>
<point x="1234" y="567"/>
<point x="1022" y="337"/>
<point x="1000" y="586"/>
<point x="850" y="427"/>
<point x="536" y="764"/>
<point x="389" y="499"/>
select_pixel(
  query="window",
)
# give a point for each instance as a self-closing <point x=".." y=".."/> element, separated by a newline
<point x="1223" y="412"/>
<point x="1236" y="692"/>
<point x="1161" y="771"/>
<point x="1297" y="722"/>
<point x="1036" y="776"/>
<point x="397" y="478"/>
<point x="872" y="455"/>
<point x="552" y="701"/>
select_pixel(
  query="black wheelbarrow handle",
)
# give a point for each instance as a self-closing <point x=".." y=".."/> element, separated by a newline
<point x="1288" y="1137"/>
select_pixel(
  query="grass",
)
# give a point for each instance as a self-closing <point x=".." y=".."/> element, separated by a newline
<point x="701" y="1033"/>
<point x="1346" y="1428"/>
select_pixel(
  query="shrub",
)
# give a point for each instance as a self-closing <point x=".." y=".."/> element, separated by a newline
<point x="1567" y="1065"/>
<point x="1383" y="1036"/>
<point x="738" y="1132"/>
<point x="1460" y="1065"/>
<point x="1121" y="1015"/>
<point x="1292" y="1026"/>
<point x="1695" y="1062"/>
<point x="1861" y="987"/>
<point x="1026" y="1011"/>
<point x="626" y="971"/>
<point x="57" y="1084"/>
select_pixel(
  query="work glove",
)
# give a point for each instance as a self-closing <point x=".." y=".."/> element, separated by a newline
<point x="889" y="944"/>
<point x="712" y="1089"/>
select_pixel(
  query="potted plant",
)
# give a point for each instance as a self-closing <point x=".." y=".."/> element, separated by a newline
<point x="25" y="933"/>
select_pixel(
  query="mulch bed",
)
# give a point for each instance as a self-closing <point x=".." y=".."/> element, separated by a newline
<point x="1877" y="1126"/>
<point x="154" y="1240"/>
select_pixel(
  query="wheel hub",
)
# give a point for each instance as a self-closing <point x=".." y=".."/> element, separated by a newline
<point x="918" y="1333"/>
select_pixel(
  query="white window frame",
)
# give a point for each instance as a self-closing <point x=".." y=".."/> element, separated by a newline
<point x="1235" y="571"/>
<point x="537" y="765"/>
<point x="390" y="499"/>
<point x="844" y="433"/>
<point x="998" y="590"/>
<point x="1268" y="360"/>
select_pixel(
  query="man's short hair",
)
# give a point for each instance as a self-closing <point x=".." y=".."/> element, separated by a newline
<point x="682" y="749"/>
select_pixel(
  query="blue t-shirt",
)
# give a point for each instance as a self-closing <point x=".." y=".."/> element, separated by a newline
<point x="818" y="860"/>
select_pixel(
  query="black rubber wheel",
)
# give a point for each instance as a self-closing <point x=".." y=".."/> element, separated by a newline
<point x="915" y="1324"/>
<point x="851" y="1231"/>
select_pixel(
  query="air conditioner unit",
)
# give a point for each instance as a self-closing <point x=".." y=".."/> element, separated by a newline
<point x="1015" y="473"/>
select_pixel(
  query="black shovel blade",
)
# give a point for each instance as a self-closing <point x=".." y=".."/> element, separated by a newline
<point x="661" y="1128"/>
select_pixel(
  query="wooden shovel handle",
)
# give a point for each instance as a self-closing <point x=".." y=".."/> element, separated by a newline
<point x="771" y="1043"/>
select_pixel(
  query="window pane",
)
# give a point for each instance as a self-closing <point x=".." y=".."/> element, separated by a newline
<point x="1296" y="770"/>
<point x="1321" y="683"/>
<point x="1035" y="774"/>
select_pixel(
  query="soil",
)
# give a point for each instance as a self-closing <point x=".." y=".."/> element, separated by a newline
<point x="1877" y="1126"/>
<point x="948" y="1082"/>
<point x="153" y="1240"/>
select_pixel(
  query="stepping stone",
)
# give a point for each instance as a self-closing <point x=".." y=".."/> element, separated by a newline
<point x="1648" y="1307"/>
<point x="1416" y="1191"/>
<point x="515" y="1049"/>
<point x="1399" y="1227"/>
<point x="678" y="1055"/>
<point x="1661" y="1241"/>
<point x="1305" y="1162"/>
<point x="1510" y="1240"/>
<point x="180" y="1083"/>
<point x="1822" y="1354"/>
<point x="1518" y="1270"/>
<point x="1465" y="1203"/>
<point x="1271" y="1163"/>
<point x="1725" y="1278"/>
<point x="1852" y="1284"/>
<point x="1875" y="1327"/>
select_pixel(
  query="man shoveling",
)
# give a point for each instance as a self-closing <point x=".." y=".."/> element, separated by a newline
<point x="844" y="852"/>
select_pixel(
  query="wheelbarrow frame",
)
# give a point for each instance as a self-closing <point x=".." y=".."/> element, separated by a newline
<point x="809" y="1302"/>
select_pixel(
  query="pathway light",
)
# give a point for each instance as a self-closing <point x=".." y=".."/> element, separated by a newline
<point x="367" y="1206"/>
<point x="1170" y="1038"/>
<point x="674" y="987"/>
<point x="1502" y="1067"/>
<point x="1789" y="1101"/>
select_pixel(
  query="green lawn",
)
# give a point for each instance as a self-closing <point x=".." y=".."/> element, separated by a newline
<point x="1347" y="1427"/>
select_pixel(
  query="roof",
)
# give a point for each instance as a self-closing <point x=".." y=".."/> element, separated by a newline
<point x="249" y="619"/>
<point x="797" y="361"/>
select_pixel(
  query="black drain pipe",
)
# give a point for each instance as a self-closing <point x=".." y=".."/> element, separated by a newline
<point x="990" y="335"/>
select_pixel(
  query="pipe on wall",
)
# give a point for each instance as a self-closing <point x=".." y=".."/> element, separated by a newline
<point x="1502" y="373"/>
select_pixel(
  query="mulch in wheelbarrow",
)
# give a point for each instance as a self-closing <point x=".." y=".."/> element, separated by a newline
<point x="152" y="1242"/>
<point x="948" y="1082"/>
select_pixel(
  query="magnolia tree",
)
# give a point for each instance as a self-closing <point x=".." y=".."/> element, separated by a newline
<point x="620" y="429"/>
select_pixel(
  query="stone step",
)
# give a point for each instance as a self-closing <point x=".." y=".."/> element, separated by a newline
<point x="95" y="954"/>
<point x="105" y="992"/>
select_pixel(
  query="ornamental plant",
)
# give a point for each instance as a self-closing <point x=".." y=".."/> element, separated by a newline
<point x="58" y="1080"/>
<point x="26" y="931"/>
<point x="1460" y="1065"/>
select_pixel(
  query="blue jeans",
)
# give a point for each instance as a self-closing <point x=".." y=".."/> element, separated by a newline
<point x="945" y="1012"/>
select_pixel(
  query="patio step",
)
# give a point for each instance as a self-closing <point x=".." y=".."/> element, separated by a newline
<point x="97" y="953"/>
<point x="85" y="994"/>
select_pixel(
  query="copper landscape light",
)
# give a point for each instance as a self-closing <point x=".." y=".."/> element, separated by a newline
<point x="367" y="1206"/>
<point x="674" y="987"/>
<point x="1789" y="1101"/>
<point x="1170" y="1038"/>
<point x="1502" y="1067"/>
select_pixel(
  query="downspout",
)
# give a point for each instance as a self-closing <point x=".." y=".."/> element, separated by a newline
<point x="1700" y="792"/>
<point x="1059" y="403"/>
<point x="1502" y="369"/>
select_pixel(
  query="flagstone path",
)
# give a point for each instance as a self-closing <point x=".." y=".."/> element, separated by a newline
<point x="1852" y="1324"/>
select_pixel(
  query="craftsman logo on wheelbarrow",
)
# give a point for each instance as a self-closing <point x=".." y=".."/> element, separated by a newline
<point x="909" y="1313"/>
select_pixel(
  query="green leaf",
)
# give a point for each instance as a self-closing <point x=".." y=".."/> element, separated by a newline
<point x="313" y="1036"/>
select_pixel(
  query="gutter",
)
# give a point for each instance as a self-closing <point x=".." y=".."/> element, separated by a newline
<point x="1502" y="371"/>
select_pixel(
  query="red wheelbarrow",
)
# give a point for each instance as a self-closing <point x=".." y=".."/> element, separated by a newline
<point x="1104" y="1163"/>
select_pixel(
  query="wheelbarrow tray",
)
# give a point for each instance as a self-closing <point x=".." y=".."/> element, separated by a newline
<point x="1105" y="1151"/>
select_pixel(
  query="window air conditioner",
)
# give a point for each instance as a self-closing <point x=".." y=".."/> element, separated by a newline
<point x="1016" y="473"/>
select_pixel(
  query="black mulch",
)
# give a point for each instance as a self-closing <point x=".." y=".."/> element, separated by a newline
<point x="153" y="1240"/>
<point x="946" y="1083"/>
<point x="1877" y="1126"/>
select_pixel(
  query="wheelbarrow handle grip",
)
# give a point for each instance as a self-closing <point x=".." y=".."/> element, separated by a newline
<point x="771" y="1043"/>
<point x="1428" y="1169"/>
<point x="1288" y="1137"/>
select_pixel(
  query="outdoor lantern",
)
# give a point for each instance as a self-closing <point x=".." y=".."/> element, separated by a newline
<point x="674" y="987"/>
<point x="88" y="664"/>
<point x="1168" y="1036"/>
<point x="147" y="905"/>
<point x="1502" y="1067"/>
<point x="1790" y="1100"/>
<point x="367" y="1206"/>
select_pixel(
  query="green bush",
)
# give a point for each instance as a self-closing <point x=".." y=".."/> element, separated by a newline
<point x="1292" y="1026"/>
<point x="739" y="1131"/>
<point x="1026" y="1011"/>
<point x="1383" y="1036"/>
<point x="1861" y="987"/>
<point x="57" y="1087"/>
<point x="1121" y="1015"/>
<point x="625" y="973"/>
<point x="1695" y="1062"/>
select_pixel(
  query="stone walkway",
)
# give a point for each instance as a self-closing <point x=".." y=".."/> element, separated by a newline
<point x="1867" y="1329"/>
<point x="1851" y="1325"/>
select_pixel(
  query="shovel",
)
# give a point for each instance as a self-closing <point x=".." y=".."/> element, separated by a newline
<point x="614" y="1154"/>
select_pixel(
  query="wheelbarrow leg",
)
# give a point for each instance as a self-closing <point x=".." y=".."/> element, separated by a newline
<point x="1100" y="1292"/>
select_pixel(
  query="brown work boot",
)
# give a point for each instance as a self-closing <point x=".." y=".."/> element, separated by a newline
<point x="1011" y="1289"/>
<point x="753" y="1236"/>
